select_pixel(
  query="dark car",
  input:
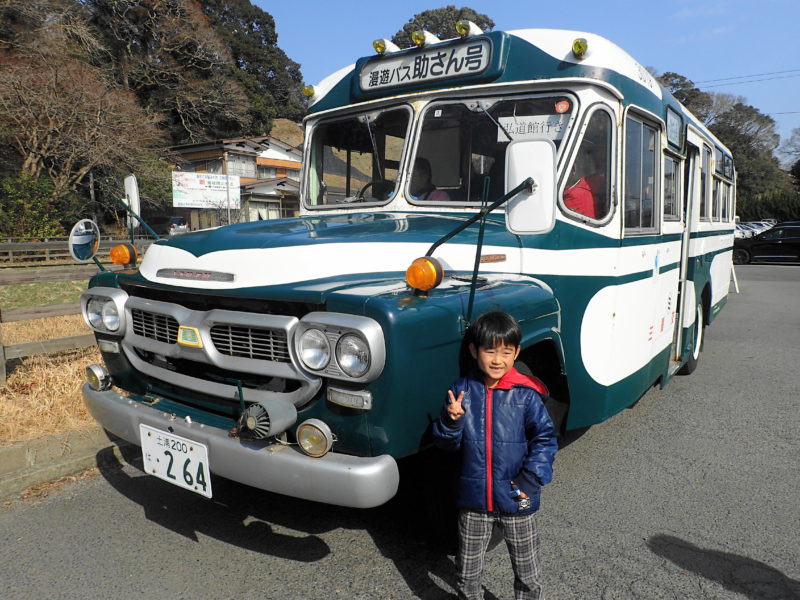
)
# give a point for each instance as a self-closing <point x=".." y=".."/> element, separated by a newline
<point x="780" y="243"/>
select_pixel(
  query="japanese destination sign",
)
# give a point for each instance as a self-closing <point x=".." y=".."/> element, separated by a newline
<point x="204" y="190"/>
<point x="533" y="127"/>
<point x="428" y="65"/>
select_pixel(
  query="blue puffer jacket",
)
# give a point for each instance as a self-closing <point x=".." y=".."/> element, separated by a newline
<point x="505" y="436"/>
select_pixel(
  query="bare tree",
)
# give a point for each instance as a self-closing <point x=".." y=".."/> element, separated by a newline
<point x="63" y="119"/>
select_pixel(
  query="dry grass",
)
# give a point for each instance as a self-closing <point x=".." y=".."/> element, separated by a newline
<point x="42" y="395"/>
<point x="43" y="329"/>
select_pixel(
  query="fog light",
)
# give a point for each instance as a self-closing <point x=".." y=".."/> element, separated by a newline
<point x="98" y="378"/>
<point x="314" y="437"/>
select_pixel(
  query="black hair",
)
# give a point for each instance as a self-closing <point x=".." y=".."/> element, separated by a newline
<point x="495" y="327"/>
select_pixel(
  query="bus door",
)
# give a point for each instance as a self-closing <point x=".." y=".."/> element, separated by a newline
<point x="691" y="189"/>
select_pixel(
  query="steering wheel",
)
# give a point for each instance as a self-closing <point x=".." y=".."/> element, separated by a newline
<point x="383" y="188"/>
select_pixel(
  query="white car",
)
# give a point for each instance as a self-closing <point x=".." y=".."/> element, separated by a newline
<point x="178" y="225"/>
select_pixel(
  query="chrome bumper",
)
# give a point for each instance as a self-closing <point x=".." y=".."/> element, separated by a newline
<point x="333" y="479"/>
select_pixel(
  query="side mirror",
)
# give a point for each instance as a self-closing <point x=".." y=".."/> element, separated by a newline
<point x="132" y="200"/>
<point x="533" y="210"/>
<point x="84" y="240"/>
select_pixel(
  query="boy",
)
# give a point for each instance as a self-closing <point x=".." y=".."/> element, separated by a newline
<point x="496" y="418"/>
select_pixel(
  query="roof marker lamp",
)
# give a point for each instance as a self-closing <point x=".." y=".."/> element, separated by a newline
<point x="580" y="48"/>
<point x="467" y="29"/>
<point x="425" y="273"/>
<point x="424" y="38"/>
<point x="124" y="254"/>
<point x="309" y="91"/>
<point x="384" y="46"/>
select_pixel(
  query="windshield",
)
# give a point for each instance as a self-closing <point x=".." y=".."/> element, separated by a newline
<point x="356" y="159"/>
<point x="462" y="145"/>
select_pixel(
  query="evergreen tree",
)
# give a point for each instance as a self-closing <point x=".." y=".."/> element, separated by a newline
<point x="441" y="22"/>
<point x="273" y="82"/>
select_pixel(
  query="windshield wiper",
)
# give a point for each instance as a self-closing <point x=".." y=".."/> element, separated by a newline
<point x="500" y="127"/>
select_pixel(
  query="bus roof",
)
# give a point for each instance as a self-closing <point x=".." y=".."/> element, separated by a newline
<point x="496" y="57"/>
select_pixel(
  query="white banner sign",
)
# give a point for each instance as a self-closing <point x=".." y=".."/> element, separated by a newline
<point x="205" y="190"/>
<point x="535" y="127"/>
<point x="427" y="65"/>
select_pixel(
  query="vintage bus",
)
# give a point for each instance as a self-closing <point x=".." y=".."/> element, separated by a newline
<point x="542" y="172"/>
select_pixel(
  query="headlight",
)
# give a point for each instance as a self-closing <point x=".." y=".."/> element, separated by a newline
<point x="352" y="354"/>
<point x="103" y="309"/>
<point x="314" y="437"/>
<point x="94" y="311"/>
<point x="315" y="351"/>
<point x="110" y="316"/>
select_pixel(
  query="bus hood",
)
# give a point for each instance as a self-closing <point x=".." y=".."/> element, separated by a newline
<point x="281" y="252"/>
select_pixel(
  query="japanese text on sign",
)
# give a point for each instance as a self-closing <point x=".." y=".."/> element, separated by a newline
<point x="429" y="65"/>
<point x="534" y="127"/>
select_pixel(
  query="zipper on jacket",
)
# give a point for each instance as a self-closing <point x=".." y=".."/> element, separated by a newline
<point x="488" y="438"/>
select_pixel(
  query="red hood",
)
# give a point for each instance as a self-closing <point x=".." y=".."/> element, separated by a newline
<point x="514" y="377"/>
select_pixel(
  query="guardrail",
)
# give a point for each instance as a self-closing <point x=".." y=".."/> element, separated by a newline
<point x="53" y="249"/>
<point x="10" y="315"/>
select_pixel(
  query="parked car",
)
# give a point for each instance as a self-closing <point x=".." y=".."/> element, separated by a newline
<point x="780" y="243"/>
<point x="178" y="225"/>
<point x="742" y="232"/>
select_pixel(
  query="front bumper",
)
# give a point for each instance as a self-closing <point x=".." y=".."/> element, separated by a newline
<point x="333" y="479"/>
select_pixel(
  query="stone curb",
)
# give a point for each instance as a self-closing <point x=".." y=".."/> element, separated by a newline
<point x="32" y="462"/>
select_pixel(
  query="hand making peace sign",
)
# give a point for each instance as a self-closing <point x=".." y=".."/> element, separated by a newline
<point x="454" y="408"/>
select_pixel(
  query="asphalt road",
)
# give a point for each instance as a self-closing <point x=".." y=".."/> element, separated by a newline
<point x="692" y="493"/>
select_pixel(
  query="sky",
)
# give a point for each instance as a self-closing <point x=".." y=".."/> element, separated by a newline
<point x="741" y="47"/>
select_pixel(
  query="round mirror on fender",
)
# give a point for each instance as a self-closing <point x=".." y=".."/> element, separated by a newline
<point x="84" y="240"/>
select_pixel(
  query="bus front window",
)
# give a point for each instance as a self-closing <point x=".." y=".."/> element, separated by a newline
<point x="462" y="146"/>
<point x="356" y="159"/>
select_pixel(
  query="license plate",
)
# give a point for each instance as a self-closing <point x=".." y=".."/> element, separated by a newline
<point x="178" y="460"/>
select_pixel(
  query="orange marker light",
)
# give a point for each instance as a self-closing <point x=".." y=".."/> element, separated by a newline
<point x="123" y="254"/>
<point x="425" y="273"/>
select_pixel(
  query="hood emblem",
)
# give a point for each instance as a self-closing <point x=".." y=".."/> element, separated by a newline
<point x="189" y="337"/>
<point x="195" y="275"/>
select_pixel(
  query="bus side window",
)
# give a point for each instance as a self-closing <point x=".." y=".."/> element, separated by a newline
<point x="672" y="188"/>
<point x="587" y="190"/>
<point x="640" y="176"/>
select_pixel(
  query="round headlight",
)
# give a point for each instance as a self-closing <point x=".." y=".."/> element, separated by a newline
<point x="110" y="316"/>
<point x="352" y="354"/>
<point x="315" y="351"/>
<point x="315" y="437"/>
<point x="94" y="312"/>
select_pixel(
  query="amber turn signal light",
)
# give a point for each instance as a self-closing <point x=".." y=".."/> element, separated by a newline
<point x="123" y="254"/>
<point x="424" y="273"/>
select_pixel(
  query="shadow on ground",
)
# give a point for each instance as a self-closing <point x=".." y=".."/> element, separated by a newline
<point x="257" y="521"/>
<point x="739" y="574"/>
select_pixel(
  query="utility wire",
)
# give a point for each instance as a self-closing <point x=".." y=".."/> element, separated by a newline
<point x="751" y="81"/>
<point x="748" y="76"/>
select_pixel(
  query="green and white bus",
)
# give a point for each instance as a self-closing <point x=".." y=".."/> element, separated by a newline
<point x="542" y="172"/>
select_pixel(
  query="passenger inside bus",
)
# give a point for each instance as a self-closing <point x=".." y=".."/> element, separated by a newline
<point x="586" y="192"/>
<point x="422" y="186"/>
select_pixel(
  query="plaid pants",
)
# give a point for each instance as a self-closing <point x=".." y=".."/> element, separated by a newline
<point x="522" y="539"/>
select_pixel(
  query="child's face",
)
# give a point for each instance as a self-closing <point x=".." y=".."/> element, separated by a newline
<point x="494" y="362"/>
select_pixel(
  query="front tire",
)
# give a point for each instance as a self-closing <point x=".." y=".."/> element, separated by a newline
<point x="697" y="342"/>
<point x="740" y="256"/>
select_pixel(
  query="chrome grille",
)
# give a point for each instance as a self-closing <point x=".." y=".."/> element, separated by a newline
<point x="251" y="342"/>
<point x="154" y="326"/>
